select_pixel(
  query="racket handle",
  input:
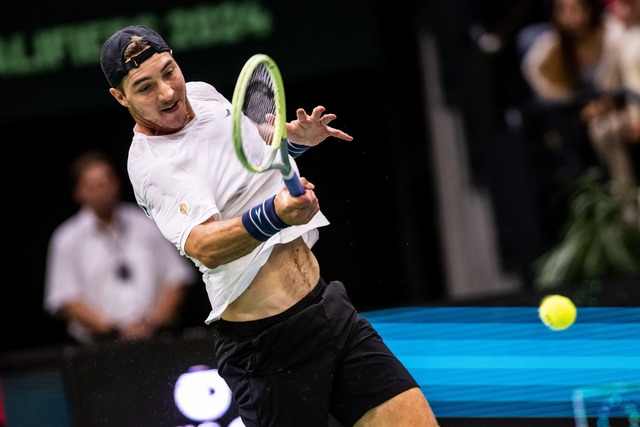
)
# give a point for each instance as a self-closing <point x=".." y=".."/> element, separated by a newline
<point x="294" y="185"/>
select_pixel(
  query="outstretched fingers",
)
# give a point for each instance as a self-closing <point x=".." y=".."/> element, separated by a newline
<point x="318" y="116"/>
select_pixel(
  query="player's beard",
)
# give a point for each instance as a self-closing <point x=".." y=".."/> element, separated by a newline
<point x="163" y="122"/>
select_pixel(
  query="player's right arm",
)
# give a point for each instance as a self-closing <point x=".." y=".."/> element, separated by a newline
<point x="218" y="242"/>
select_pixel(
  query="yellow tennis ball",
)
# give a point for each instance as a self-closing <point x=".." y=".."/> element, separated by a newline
<point x="557" y="312"/>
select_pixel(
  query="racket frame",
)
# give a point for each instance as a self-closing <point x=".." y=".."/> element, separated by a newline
<point x="279" y="139"/>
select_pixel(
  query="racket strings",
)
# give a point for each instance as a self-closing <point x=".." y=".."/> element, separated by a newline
<point x="259" y="102"/>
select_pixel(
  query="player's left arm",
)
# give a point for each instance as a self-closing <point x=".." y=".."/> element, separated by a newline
<point x="311" y="130"/>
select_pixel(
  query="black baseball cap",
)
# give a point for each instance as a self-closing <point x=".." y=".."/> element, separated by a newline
<point x="112" y="54"/>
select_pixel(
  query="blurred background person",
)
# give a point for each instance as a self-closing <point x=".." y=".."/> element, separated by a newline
<point x="567" y="67"/>
<point x="630" y="74"/>
<point x="614" y="123"/>
<point x="575" y="56"/>
<point x="110" y="273"/>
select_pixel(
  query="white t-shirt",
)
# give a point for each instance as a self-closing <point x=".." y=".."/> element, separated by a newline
<point x="181" y="180"/>
<point x="85" y="262"/>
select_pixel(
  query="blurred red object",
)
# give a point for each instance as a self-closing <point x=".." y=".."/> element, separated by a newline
<point x="2" y="418"/>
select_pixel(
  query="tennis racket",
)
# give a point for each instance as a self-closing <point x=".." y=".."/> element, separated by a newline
<point x="259" y="127"/>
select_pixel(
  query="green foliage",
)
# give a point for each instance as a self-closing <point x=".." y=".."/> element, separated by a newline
<point x="599" y="240"/>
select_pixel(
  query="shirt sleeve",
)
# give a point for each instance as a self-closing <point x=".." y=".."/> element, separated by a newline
<point x="177" y="270"/>
<point x="536" y="66"/>
<point x="62" y="283"/>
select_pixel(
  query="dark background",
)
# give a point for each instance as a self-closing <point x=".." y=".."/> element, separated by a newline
<point x="356" y="58"/>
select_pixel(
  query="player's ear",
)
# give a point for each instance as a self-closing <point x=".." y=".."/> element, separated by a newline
<point x="119" y="96"/>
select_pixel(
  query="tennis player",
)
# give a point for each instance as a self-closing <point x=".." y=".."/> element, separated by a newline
<point x="291" y="346"/>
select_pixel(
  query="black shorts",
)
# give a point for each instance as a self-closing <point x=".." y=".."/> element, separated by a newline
<point x="317" y="358"/>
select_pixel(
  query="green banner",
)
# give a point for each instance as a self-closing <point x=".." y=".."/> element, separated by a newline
<point x="53" y="66"/>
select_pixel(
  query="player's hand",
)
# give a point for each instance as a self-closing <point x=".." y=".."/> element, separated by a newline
<point x="312" y="129"/>
<point x="297" y="210"/>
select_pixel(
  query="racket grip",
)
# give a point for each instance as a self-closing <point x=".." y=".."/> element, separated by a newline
<point x="294" y="185"/>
